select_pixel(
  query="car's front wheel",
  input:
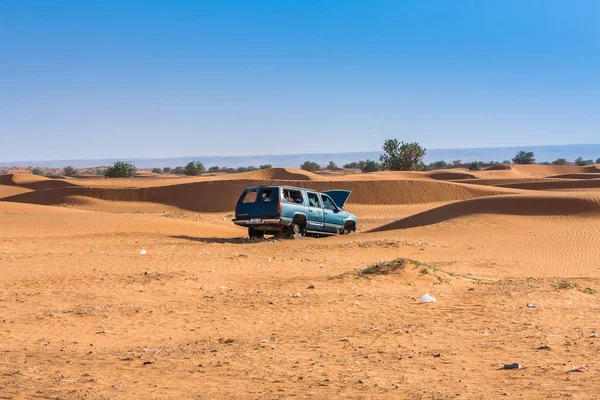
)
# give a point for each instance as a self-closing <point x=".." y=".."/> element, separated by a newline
<point x="295" y="230"/>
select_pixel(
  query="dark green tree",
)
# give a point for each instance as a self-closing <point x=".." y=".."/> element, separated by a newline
<point x="194" y="168"/>
<point x="121" y="169"/>
<point x="524" y="157"/>
<point x="400" y="156"/>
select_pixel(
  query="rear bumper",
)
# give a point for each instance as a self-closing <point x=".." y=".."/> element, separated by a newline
<point x="259" y="224"/>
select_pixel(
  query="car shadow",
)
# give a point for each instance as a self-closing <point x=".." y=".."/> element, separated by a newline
<point x="238" y="240"/>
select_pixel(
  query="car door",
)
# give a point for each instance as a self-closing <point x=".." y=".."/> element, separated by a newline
<point x="316" y="217"/>
<point x="333" y="218"/>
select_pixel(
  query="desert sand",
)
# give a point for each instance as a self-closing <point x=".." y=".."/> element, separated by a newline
<point x="511" y="254"/>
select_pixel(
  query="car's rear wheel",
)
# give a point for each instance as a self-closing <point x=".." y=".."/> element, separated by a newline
<point x="255" y="234"/>
<point x="295" y="230"/>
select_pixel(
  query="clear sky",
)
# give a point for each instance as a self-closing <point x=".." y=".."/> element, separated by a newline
<point x="100" y="79"/>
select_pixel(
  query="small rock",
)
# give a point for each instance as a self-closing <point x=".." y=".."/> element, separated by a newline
<point x="438" y="355"/>
<point x="273" y="347"/>
<point x="311" y="287"/>
<point x="593" y="335"/>
<point x="320" y="265"/>
<point x="222" y="287"/>
<point x="147" y="362"/>
<point x="513" y="366"/>
<point x="345" y="339"/>
<point x="200" y="365"/>
<point x="544" y="347"/>
<point x="529" y="305"/>
<point x="264" y="341"/>
<point x="297" y="295"/>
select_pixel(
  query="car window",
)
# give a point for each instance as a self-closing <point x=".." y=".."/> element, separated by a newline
<point x="328" y="204"/>
<point x="249" y="196"/>
<point x="268" y="195"/>
<point x="313" y="200"/>
<point x="293" y="196"/>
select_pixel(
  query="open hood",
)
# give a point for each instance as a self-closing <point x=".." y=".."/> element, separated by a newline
<point x="339" y="197"/>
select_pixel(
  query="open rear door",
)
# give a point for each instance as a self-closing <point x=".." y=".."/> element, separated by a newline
<point x="339" y="197"/>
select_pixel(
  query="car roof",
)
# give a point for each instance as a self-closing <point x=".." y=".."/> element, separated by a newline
<point x="282" y="186"/>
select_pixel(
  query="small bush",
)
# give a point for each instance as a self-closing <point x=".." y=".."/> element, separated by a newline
<point x="167" y="170"/>
<point x="456" y="162"/>
<point x="194" y="168"/>
<point x="352" y="165"/>
<point x="156" y="170"/>
<point x="69" y="171"/>
<point x="37" y="171"/>
<point x="370" y="166"/>
<point x="506" y="162"/>
<point x="265" y="166"/>
<point x="121" y="169"/>
<point x="435" y="165"/>
<point x="214" y="168"/>
<point x="332" y="166"/>
<point x="179" y="170"/>
<point x="475" y="166"/>
<point x="559" y="161"/>
<point x="524" y="157"/>
<point x="310" y="166"/>
<point x="597" y="160"/>
<point x="582" y="163"/>
<point x="100" y="172"/>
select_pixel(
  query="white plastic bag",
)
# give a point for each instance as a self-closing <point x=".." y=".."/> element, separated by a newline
<point x="427" y="298"/>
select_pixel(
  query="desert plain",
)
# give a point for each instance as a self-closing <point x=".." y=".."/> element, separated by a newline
<point x="144" y="288"/>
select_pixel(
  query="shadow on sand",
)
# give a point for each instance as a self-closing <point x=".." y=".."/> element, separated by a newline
<point x="238" y="240"/>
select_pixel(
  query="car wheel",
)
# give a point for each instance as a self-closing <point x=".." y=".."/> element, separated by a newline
<point x="295" y="231"/>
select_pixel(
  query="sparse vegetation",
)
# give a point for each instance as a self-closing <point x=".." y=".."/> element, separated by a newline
<point x="524" y="157"/>
<point x="100" y="171"/>
<point x="310" y="166"/>
<point x="400" y="156"/>
<point x="582" y="163"/>
<point x="597" y="160"/>
<point x="214" y="168"/>
<point x="37" y="171"/>
<point x="563" y="285"/>
<point x="435" y="165"/>
<point x="194" y="168"/>
<point x="352" y="165"/>
<point x="179" y="170"/>
<point x="369" y="166"/>
<point x="332" y="166"/>
<point x="69" y="171"/>
<point x="506" y="162"/>
<point x="265" y="166"/>
<point x="559" y="161"/>
<point x="167" y="170"/>
<point x="456" y="162"/>
<point x="121" y="169"/>
<point x="3" y="171"/>
<point x="156" y="170"/>
<point x="249" y="168"/>
<point x="475" y="166"/>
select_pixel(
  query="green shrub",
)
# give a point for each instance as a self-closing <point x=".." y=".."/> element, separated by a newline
<point x="265" y="166"/>
<point x="179" y="170"/>
<point x="310" y="166"/>
<point x="559" y="161"/>
<point x="121" y="169"/>
<point x="100" y="172"/>
<point x="69" y="171"/>
<point x="370" y="166"/>
<point x="524" y="157"/>
<point x="435" y="165"/>
<point x="475" y="166"/>
<point x="352" y="165"/>
<point x="506" y="162"/>
<point x="582" y="163"/>
<point x="214" y="168"/>
<point x="194" y="168"/>
<point x="332" y="166"/>
<point x="400" y="156"/>
<point x="167" y="170"/>
<point x="156" y="170"/>
<point x="37" y="171"/>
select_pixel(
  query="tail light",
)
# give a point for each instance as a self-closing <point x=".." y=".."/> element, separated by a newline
<point x="278" y="208"/>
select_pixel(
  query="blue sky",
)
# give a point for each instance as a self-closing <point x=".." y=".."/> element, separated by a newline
<point x="100" y="79"/>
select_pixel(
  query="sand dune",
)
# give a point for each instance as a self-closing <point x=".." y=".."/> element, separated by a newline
<point x="528" y="205"/>
<point x="33" y="182"/>
<point x="556" y="184"/>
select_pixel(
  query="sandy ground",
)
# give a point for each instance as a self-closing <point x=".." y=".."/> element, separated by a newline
<point x="206" y="314"/>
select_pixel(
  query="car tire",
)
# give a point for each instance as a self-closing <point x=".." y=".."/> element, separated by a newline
<point x="295" y="231"/>
<point x="254" y="234"/>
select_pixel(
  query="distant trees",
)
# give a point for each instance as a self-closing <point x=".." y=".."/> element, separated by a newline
<point x="560" y="161"/>
<point x="597" y="160"/>
<point x="475" y="166"/>
<point x="121" y="169"/>
<point x="370" y="166"/>
<point x="156" y="170"/>
<point x="456" y="163"/>
<point x="524" y="157"/>
<point x="167" y="170"/>
<point x="332" y="166"/>
<point x="435" y="165"/>
<point x="194" y="168"/>
<point x="506" y="162"/>
<point x="581" y="162"/>
<point x="310" y="166"/>
<point x="265" y="166"/>
<point x="69" y="171"/>
<point x="214" y="168"/>
<point x="179" y="170"/>
<point x="249" y="168"/>
<point x="352" y="165"/>
<point x="400" y="156"/>
<point x="37" y="171"/>
<point x="101" y="171"/>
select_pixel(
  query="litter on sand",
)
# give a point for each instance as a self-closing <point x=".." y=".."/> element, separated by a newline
<point x="142" y="251"/>
<point x="529" y="305"/>
<point x="513" y="366"/>
<point x="581" y="368"/>
<point x="426" y="298"/>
